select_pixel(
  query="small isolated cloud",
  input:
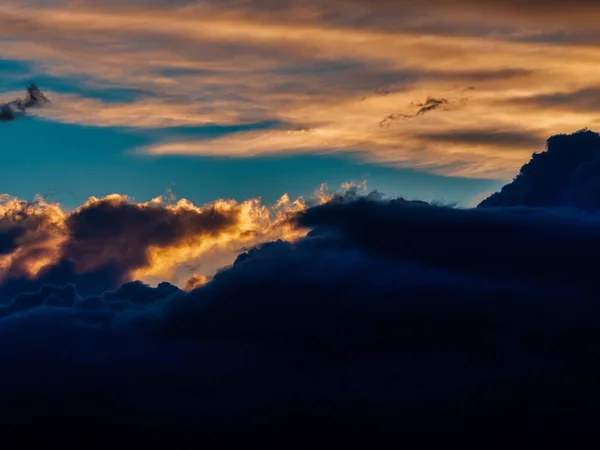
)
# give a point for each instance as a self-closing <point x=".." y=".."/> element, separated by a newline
<point x="19" y="107"/>
<point x="581" y="100"/>
<point x="342" y="68"/>
<point x="107" y="241"/>
<point x="431" y="104"/>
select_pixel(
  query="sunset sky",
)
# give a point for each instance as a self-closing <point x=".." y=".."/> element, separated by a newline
<point x="288" y="224"/>
<point x="247" y="100"/>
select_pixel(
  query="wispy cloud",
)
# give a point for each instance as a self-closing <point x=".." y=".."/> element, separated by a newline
<point x="337" y="75"/>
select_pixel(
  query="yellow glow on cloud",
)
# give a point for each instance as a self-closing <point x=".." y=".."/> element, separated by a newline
<point x="256" y="224"/>
<point x="40" y="244"/>
<point x="190" y="256"/>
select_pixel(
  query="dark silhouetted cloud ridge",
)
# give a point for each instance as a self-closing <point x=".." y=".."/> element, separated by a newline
<point x="393" y="323"/>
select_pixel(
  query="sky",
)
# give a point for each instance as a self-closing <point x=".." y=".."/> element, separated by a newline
<point x="275" y="223"/>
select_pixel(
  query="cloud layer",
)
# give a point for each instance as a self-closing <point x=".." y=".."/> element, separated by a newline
<point x="391" y="320"/>
<point x="124" y="240"/>
<point x="333" y="69"/>
<point x="354" y="319"/>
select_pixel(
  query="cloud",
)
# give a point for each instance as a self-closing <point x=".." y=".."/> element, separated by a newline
<point x="112" y="231"/>
<point x="110" y="240"/>
<point x="486" y="138"/>
<point x="116" y="240"/>
<point x="565" y="175"/>
<point x="195" y="281"/>
<point x="587" y="99"/>
<point x="464" y="323"/>
<point x="18" y="108"/>
<point x="225" y="63"/>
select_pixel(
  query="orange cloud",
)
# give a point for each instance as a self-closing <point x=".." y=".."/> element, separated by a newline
<point x="33" y="235"/>
<point x="328" y="79"/>
<point x="151" y="241"/>
<point x="195" y="281"/>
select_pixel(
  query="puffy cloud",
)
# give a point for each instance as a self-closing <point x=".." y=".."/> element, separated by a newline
<point x="124" y="240"/>
<point x="565" y="175"/>
<point x="107" y="241"/>
<point x="114" y="231"/>
<point x="31" y="235"/>
<point x="587" y="99"/>
<point x="430" y="104"/>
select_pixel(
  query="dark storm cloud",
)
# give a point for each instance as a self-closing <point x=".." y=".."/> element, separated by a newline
<point x="8" y="239"/>
<point x="62" y="272"/>
<point x="393" y="322"/>
<point x="565" y="175"/>
<point x="555" y="22"/>
<point x="536" y="6"/>
<point x="460" y="239"/>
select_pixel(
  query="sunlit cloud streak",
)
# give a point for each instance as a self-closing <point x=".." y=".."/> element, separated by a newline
<point x="296" y="63"/>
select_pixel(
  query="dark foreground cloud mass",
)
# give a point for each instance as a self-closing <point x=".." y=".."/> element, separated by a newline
<point x="566" y="175"/>
<point x="392" y="323"/>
